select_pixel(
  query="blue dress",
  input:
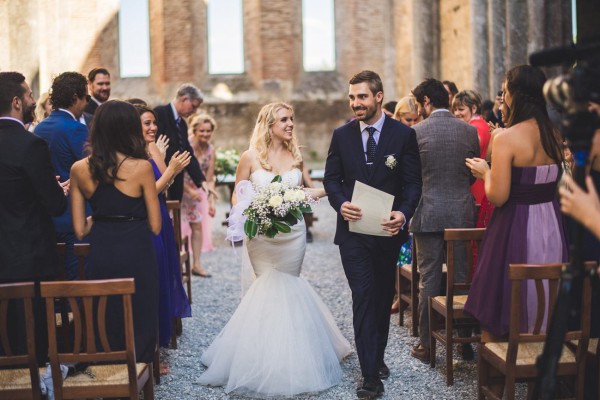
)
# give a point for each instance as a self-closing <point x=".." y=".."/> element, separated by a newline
<point x="173" y="301"/>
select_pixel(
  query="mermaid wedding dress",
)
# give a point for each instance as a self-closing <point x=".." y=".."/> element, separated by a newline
<point x="282" y="340"/>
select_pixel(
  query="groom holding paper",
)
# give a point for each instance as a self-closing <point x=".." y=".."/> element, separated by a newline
<point x="381" y="153"/>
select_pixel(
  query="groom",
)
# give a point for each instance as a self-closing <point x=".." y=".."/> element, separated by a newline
<point x="380" y="152"/>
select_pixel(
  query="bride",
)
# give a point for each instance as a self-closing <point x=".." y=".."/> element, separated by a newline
<point x="282" y="340"/>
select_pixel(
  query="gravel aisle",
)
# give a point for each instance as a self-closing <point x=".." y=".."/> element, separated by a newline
<point x="215" y="299"/>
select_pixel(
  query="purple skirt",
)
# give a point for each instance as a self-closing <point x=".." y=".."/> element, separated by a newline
<point x="527" y="229"/>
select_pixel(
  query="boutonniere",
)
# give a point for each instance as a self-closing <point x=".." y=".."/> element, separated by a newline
<point x="390" y="161"/>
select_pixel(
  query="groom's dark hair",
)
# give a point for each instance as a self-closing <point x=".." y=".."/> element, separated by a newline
<point x="372" y="78"/>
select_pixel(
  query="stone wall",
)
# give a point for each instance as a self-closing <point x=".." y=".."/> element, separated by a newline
<point x="471" y="42"/>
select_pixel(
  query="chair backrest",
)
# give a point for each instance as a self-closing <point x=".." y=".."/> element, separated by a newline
<point x="82" y="251"/>
<point x="87" y="300"/>
<point x="175" y="207"/>
<point x="473" y="237"/>
<point x="24" y="292"/>
<point x="546" y="280"/>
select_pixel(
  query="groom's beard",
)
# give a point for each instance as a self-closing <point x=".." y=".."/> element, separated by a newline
<point x="369" y="113"/>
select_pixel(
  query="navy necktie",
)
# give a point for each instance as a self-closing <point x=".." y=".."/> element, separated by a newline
<point x="371" y="147"/>
<point x="182" y="133"/>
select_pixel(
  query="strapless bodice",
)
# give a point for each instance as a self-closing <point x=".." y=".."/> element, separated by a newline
<point x="262" y="177"/>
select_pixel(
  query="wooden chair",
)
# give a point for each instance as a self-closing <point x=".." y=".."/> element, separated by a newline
<point x="117" y="374"/>
<point x="183" y="246"/>
<point x="407" y="279"/>
<point x="450" y="307"/>
<point x="82" y="251"/>
<point x="504" y="363"/>
<point x="20" y="383"/>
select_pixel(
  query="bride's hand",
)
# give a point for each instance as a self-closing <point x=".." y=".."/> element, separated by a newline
<point x="315" y="193"/>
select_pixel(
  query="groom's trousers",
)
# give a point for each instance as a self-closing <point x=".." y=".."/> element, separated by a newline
<point x="371" y="273"/>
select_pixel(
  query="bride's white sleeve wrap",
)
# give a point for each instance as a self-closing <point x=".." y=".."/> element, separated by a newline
<point x="244" y="192"/>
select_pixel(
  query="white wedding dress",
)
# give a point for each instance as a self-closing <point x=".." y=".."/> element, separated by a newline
<point x="282" y="340"/>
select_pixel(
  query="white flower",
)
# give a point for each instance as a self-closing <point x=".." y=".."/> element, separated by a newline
<point x="390" y="161"/>
<point x="300" y="195"/>
<point x="275" y="201"/>
<point x="289" y="195"/>
<point x="275" y="186"/>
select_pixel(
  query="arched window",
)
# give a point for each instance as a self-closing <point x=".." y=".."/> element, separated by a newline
<point x="225" y="37"/>
<point x="134" y="39"/>
<point x="318" y="31"/>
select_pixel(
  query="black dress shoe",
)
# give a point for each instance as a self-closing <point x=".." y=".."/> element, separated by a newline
<point x="371" y="388"/>
<point x="384" y="371"/>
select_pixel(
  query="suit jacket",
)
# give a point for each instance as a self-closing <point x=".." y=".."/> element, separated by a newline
<point x="29" y="196"/>
<point x="444" y="143"/>
<point x="91" y="107"/>
<point x="66" y="139"/>
<point x="167" y="125"/>
<point x="346" y="164"/>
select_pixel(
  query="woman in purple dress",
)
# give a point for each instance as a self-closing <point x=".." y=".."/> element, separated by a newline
<point x="173" y="301"/>
<point x="526" y="225"/>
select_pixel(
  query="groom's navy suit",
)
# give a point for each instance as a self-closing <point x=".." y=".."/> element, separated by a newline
<point x="370" y="261"/>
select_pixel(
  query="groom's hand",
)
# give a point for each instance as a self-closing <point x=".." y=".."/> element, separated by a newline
<point x="396" y="223"/>
<point x="350" y="212"/>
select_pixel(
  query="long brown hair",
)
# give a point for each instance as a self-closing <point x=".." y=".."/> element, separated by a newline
<point x="525" y="85"/>
<point x="116" y="128"/>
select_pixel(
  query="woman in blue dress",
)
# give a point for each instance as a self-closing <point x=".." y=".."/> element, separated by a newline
<point x="173" y="301"/>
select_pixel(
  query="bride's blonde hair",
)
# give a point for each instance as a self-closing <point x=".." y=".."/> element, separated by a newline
<point x="261" y="136"/>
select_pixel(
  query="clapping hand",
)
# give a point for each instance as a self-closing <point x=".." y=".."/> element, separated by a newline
<point x="479" y="167"/>
<point x="179" y="161"/>
<point x="65" y="186"/>
<point x="574" y="201"/>
<point x="163" y="144"/>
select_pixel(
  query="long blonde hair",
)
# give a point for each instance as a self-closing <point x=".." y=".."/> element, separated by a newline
<point x="261" y="136"/>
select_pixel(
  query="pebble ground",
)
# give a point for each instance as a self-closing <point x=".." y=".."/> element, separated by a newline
<point x="215" y="299"/>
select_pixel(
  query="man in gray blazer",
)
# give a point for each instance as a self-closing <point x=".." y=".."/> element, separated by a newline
<point x="444" y="143"/>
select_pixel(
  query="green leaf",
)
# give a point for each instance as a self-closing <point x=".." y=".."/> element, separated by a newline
<point x="291" y="219"/>
<point x="297" y="214"/>
<point x="276" y="178"/>
<point x="271" y="232"/>
<point x="250" y="228"/>
<point x="305" y="209"/>
<point x="282" y="227"/>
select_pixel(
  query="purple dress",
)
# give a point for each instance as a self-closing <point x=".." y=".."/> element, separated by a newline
<point x="527" y="229"/>
<point x="173" y="300"/>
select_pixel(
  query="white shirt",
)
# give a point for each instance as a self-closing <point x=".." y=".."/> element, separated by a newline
<point x="70" y="113"/>
<point x="175" y="113"/>
<point x="378" y="125"/>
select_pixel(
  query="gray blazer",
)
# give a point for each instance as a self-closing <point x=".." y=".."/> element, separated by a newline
<point x="444" y="143"/>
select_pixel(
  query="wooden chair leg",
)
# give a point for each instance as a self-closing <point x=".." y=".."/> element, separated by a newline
<point x="483" y="371"/>
<point x="432" y="328"/>
<point x="414" y="304"/>
<point x="149" y="389"/>
<point x="174" y="334"/>
<point x="156" y="365"/>
<point x="449" y="351"/>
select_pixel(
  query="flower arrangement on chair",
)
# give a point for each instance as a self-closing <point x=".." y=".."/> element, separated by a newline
<point x="226" y="162"/>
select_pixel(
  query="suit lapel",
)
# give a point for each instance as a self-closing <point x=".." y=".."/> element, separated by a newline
<point x="357" y="144"/>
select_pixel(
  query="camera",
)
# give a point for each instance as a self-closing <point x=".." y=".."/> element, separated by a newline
<point x="571" y="93"/>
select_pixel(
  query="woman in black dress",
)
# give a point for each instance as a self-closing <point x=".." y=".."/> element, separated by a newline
<point x="118" y="181"/>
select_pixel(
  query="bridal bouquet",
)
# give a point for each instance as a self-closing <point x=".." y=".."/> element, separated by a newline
<point x="275" y="208"/>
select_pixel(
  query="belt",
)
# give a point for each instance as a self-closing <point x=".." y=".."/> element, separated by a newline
<point x="117" y="218"/>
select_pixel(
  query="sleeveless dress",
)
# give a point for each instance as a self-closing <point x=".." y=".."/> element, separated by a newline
<point x="282" y="340"/>
<point x="121" y="247"/>
<point x="528" y="228"/>
<point x="173" y="302"/>
<point x="196" y="211"/>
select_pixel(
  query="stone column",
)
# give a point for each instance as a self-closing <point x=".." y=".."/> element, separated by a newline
<point x="497" y="46"/>
<point x="480" y="48"/>
<point x="517" y="29"/>
<point x="426" y="33"/>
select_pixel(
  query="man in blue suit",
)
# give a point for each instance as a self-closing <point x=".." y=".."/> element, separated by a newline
<point x="382" y="153"/>
<point x="66" y="137"/>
